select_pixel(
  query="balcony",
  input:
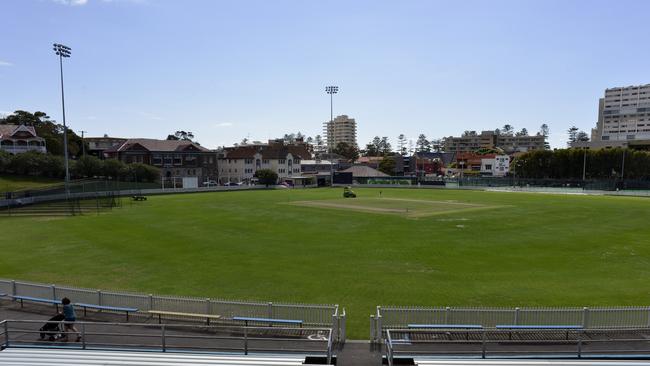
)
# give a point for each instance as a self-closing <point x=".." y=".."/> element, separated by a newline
<point x="22" y="149"/>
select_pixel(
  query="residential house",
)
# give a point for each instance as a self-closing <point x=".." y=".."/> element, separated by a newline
<point x="178" y="160"/>
<point x="16" y="139"/>
<point x="97" y="145"/>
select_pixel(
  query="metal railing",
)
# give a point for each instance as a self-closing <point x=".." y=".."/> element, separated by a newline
<point x="312" y="315"/>
<point x="392" y="317"/>
<point x="520" y="343"/>
<point x="172" y="338"/>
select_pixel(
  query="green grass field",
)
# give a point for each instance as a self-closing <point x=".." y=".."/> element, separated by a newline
<point x="464" y="248"/>
<point x="18" y="182"/>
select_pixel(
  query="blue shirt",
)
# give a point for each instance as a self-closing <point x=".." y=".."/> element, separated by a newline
<point x="68" y="313"/>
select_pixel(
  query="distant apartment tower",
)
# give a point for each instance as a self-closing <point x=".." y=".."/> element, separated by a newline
<point x="341" y="129"/>
<point x="623" y="118"/>
<point x="492" y="140"/>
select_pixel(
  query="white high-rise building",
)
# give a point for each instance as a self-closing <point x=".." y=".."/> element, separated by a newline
<point x="623" y="118"/>
<point x="341" y="129"/>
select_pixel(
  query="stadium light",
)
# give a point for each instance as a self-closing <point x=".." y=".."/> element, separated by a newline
<point x="331" y="90"/>
<point x="64" y="51"/>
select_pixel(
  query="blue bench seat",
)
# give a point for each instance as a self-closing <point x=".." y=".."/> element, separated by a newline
<point x="36" y="299"/>
<point x="246" y="319"/>
<point x="445" y="326"/>
<point x="127" y="310"/>
<point x="561" y="327"/>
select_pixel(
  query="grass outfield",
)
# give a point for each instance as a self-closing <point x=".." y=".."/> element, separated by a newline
<point x="477" y="248"/>
<point x="18" y="182"/>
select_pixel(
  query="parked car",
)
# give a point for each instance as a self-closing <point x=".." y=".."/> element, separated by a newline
<point x="210" y="183"/>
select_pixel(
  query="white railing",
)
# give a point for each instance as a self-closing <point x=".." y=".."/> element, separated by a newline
<point x="312" y="315"/>
<point x="21" y="149"/>
<point x="394" y="317"/>
<point x="171" y="337"/>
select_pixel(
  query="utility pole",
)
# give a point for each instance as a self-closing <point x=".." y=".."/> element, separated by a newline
<point x="584" y="165"/>
<point x="83" y="144"/>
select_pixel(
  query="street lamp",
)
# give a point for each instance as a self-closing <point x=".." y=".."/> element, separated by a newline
<point x="63" y="51"/>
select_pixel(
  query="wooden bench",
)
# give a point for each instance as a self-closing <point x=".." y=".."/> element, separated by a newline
<point x="105" y="307"/>
<point x="270" y="321"/>
<point x="512" y="327"/>
<point x="160" y="313"/>
<point x="447" y="326"/>
<point x="139" y="198"/>
<point x="36" y="299"/>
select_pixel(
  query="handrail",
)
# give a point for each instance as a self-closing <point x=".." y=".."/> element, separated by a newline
<point x="579" y="341"/>
<point x="162" y="332"/>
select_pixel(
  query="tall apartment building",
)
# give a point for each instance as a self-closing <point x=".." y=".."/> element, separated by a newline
<point x="492" y="140"/>
<point x="341" y="129"/>
<point x="623" y="118"/>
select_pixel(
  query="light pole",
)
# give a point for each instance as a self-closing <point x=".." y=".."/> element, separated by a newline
<point x="83" y="144"/>
<point x="331" y="90"/>
<point x="63" y="51"/>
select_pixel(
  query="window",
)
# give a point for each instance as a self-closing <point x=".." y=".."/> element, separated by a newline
<point x="265" y="161"/>
<point x="248" y="161"/>
<point x="157" y="159"/>
<point x="281" y="161"/>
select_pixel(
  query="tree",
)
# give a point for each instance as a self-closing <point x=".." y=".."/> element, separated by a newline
<point x="387" y="165"/>
<point x="48" y="129"/>
<point x="544" y="131"/>
<point x="401" y="144"/>
<point x="266" y="176"/>
<point x="114" y="168"/>
<point x="507" y="129"/>
<point x="346" y="150"/>
<point x="139" y="172"/>
<point x="573" y="134"/>
<point x="582" y="136"/>
<point x="422" y="144"/>
<point x="523" y="132"/>
<point x="87" y="166"/>
<point x="181" y="135"/>
<point x="469" y="133"/>
<point x="318" y="142"/>
<point x="436" y="145"/>
<point x="384" y="146"/>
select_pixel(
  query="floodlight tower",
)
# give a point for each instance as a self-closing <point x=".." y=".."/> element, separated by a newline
<point x="331" y="90"/>
<point x="63" y="51"/>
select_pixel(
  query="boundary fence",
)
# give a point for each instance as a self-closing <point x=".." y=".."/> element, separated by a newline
<point x="393" y="317"/>
<point x="328" y="316"/>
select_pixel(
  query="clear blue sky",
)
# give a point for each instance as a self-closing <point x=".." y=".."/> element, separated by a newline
<point x="233" y="69"/>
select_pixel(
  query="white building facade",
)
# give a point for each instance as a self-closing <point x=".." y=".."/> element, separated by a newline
<point x="239" y="164"/>
<point x="623" y="118"/>
<point x="498" y="166"/>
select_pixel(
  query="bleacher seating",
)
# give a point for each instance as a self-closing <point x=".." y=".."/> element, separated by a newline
<point x="51" y="357"/>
